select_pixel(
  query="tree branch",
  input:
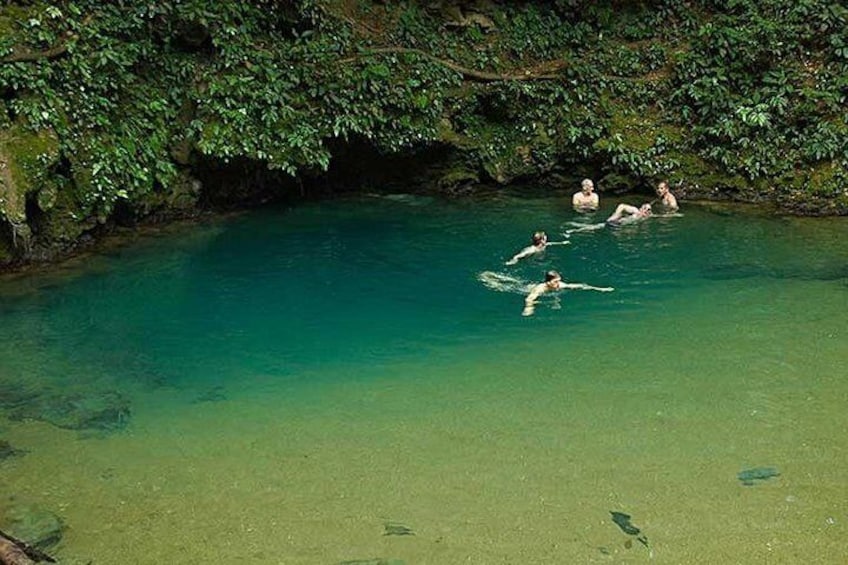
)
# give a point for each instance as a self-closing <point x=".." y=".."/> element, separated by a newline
<point x="543" y="71"/>
<point x="23" y="54"/>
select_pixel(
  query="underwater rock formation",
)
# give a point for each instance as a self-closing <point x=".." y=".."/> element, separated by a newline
<point x="103" y="411"/>
<point x="30" y="525"/>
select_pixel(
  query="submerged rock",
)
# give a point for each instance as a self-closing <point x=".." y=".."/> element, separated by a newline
<point x="215" y="394"/>
<point x="397" y="529"/>
<point x="374" y="561"/>
<point x="31" y="524"/>
<point x="14" y="394"/>
<point x="105" y="411"/>
<point x="749" y="476"/>
<point x="7" y="451"/>
<point x="622" y="520"/>
<point x="734" y="271"/>
<point x="408" y="199"/>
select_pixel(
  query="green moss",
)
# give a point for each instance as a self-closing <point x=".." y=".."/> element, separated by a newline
<point x="5" y="122"/>
<point x="821" y="190"/>
<point x="47" y="196"/>
<point x="10" y="18"/>
<point x="618" y="181"/>
<point x="638" y="132"/>
<point x="65" y="216"/>
<point x="6" y="252"/>
<point x="514" y="159"/>
<point x="456" y="178"/>
<point x="25" y="158"/>
<point x="448" y="135"/>
<point x="695" y="170"/>
<point x="180" y="195"/>
<point x="66" y="220"/>
<point x="828" y="180"/>
<point x="82" y="173"/>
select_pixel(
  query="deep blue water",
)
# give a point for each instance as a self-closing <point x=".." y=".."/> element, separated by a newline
<point x="362" y="280"/>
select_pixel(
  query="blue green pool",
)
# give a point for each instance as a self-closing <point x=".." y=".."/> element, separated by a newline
<point x="297" y="379"/>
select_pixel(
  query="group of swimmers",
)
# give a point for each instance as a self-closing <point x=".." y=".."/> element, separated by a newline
<point x="587" y="201"/>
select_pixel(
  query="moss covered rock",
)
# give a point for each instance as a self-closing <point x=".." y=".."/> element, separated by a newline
<point x="180" y="196"/>
<point x="822" y="190"/>
<point x="25" y="160"/>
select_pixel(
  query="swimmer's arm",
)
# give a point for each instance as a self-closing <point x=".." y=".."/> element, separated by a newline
<point x="559" y="243"/>
<point x="537" y="291"/>
<point x="620" y="211"/>
<point x="526" y="252"/>
<point x="530" y="301"/>
<point x="581" y="286"/>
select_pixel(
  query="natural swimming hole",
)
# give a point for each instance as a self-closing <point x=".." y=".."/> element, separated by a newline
<point x="304" y="385"/>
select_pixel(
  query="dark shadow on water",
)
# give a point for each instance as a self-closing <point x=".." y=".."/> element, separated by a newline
<point x="734" y="271"/>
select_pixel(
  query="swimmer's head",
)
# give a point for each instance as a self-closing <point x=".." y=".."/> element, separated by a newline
<point x="552" y="276"/>
<point x="540" y="238"/>
<point x="662" y="188"/>
<point x="587" y="186"/>
<point x="645" y="209"/>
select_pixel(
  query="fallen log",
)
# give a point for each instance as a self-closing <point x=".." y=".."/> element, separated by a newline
<point x="16" y="552"/>
<point x="11" y="554"/>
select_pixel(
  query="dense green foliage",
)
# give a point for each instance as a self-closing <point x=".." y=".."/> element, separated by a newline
<point x="739" y="95"/>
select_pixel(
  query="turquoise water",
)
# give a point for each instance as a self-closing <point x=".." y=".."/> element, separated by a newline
<point x="297" y="379"/>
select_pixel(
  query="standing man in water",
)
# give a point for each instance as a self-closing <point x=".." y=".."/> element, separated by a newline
<point x="553" y="282"/>
<point x="586" y="200"/>
<point x="668" y="200"/>
<point x="627" y="214"/>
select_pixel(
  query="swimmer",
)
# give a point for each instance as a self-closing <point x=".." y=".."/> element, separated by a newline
<point x="586" y="200"/>
<point x="503" y="282"/>
<point x="667" y="199"/>
<point x="580" y="228"/>
<point x="553" y="282"/>
<point x="627" y="214"/>
<point x="539" y="243"/>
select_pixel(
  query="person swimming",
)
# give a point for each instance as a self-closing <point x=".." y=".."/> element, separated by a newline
<point x="626" y="214"/>
<point x="580" y="228"/>
<point x="539" y="243"/>
<point x="553" y="282"/>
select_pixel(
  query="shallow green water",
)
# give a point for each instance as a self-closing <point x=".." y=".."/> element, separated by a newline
<point x="299" y="378"/>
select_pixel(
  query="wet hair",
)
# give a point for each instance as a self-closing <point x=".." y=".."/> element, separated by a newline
<point x="538" y="237"/>
<point x="551" y="275"/>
